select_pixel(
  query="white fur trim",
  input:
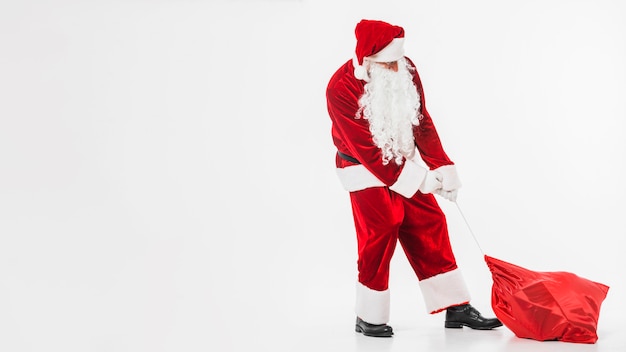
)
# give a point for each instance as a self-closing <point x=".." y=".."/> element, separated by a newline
<point x="357" y="177"/>
<point x="372" y="306"/>
<point x="410" y="179"/>
<point x="444" y="290"/>
<point x="394" y="51"/>
<point x="451" y="180"/>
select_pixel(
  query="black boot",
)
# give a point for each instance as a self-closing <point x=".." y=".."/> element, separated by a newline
<point x="467" y="315"/>
<point x="380" y="330"/>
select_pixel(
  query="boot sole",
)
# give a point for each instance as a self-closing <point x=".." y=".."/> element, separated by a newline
<point x="358" y="329"/>
<point x="459" y="325"/>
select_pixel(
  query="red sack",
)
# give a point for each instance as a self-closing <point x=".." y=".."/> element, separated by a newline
<point x="545" y="305"/>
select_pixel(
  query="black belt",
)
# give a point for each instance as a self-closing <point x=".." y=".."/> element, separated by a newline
<point x="347" y="157"/>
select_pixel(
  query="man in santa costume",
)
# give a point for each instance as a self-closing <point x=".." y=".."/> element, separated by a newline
<point x="381" y="129"/>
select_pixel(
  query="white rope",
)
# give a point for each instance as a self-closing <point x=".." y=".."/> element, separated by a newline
<point x="469" y="227"/>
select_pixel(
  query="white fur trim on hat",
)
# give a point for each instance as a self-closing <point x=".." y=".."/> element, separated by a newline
<point x="394" y="51"/>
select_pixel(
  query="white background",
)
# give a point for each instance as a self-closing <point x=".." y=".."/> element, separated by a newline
<point x="167" y="173"/>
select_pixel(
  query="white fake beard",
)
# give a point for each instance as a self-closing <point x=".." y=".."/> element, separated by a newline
<point x="391" y="105"/>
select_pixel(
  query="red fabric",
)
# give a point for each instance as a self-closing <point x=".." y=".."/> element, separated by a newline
<point x="382" y="218"/>
<point x="546" y="305"/>
<point x="373" y="36"/>
<point x="352" y="136"/>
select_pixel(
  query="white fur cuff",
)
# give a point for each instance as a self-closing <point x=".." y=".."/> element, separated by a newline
<point x="357" y="177"/>
<point x="444" y="290"/>
<point x="372" y="306"/>
<point x="410" y="179"/>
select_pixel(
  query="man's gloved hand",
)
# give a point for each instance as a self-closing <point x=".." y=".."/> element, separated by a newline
<point x="450" y="182"/>
<point x="449" y="195"/>
<point x="431" y="183"/>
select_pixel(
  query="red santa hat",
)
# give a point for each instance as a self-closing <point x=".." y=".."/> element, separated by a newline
<point x="376" y="41"/>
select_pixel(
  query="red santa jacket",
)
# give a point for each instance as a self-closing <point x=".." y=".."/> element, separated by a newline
<point x="352" y="136"/>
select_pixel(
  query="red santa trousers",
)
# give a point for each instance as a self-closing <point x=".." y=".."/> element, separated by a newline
<point x="382" y="217"/>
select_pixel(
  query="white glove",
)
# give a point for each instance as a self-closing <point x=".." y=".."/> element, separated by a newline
<point x="451" y="180"/>
<point x="431" y="183"/>
<point x="449" y="195"/>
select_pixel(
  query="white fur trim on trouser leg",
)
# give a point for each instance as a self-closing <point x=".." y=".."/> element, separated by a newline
<point x="372" y="306"/>
<point x="444" y="290"/>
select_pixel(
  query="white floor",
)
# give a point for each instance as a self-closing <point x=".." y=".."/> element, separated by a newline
<point x="330" y="328"/>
